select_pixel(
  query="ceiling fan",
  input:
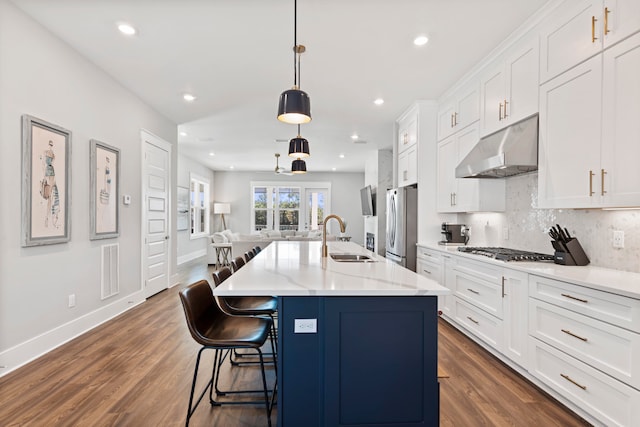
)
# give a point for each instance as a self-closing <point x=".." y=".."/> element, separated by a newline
<point x="278" y="170"/>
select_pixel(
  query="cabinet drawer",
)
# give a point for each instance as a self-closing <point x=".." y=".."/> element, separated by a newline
<point x="608" y="348"/>
<point x="430" y="254"/>
<point x="603" y="397"/>
<point x="432" y="270"/>
<point x="615" y="309"/>
<point x="480" y="270"/>
<point x="481" y="324"/>
<point x="481" y="293"/>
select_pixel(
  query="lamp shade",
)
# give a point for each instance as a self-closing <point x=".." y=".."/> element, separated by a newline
<point x="294" y="107"/>
<point x="298" y="147"/>
<point x="298" y="166"/>
<point x="221" y="208"/>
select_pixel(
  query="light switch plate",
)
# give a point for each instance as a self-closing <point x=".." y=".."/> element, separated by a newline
<point x="305" y="326"/>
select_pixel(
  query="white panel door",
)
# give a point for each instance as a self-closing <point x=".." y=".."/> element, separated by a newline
<point x="620" y="19"/>
<point x="155" y="214"/>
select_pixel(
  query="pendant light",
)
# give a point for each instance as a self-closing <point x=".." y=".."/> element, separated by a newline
<point x="298" y="146"/>
<point x="298" y="166"/>
<point x="295" y="106"/>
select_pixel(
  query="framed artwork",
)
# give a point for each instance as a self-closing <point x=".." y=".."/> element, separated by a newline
<point x="183" y="209"/>
<point x="105" y="191"/>
<point x="46" y="182"/>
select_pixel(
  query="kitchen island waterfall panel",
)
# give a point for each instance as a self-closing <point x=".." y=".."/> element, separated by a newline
<point x="373" y="361"/>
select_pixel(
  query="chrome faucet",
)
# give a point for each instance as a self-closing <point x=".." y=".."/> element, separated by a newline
<point x="343" y="228"/>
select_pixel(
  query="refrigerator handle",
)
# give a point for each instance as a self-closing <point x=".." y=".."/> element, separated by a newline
<point x="393" y="220"/>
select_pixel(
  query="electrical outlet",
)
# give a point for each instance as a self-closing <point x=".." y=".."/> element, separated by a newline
<point x="305" y="326"/>
<point x="618" y="239"/>
<point x="72" y="300"/>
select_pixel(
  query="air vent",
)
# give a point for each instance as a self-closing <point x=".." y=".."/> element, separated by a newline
<point x="110" y="283"/>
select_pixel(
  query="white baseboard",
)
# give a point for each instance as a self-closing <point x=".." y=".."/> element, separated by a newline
<point x="191" y="256"/>
<point x="23" y="353"/>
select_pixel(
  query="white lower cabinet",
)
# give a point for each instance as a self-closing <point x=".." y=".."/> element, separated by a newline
<point x="479" y="322"/>
<point x="603" y="397"/>
<point x="585" y="344"/>
<point x="515" y="297"/>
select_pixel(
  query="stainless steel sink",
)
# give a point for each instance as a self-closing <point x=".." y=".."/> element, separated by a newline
<point x="351" y="258"/>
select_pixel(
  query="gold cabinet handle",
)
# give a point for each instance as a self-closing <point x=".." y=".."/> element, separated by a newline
<point x="426" y="271"/>
<point x="473" y="291"/>
<point x="452" y="124"/>
<point x="593" y="29"/>
<point x="503" y="294"/>
<point x="473" y="320"/>
<point x="504" y="116"/>
<point x="591" y="174"/>
<point x="574" y="298"/>
<point x="500" y="112"/>
<point x="568" y="378"/>
<point x="602" y="174"/>
<point x="455" y="119"/>
<point x="606" y="21"/>
<point x="574" y="335"/>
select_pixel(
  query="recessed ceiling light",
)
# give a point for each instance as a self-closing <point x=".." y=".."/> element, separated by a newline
<point x="230" y="167"/>
<point x="183" y="134"/>
<point x="354" y="136"/>
<point x="333" y="169"/>
<point x="126" y="29"/>
<point x="212" y="154"/>
<point x="420" y="40"/>
<point x="341" y="156"/>
<point x="188" y="97"/>
<point x="379" y="101"/>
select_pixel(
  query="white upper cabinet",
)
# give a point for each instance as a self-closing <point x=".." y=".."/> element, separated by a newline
<point x="408" y="130"/>
<point x="620" y="19"/>
<point x="589" y="132"/>
<point x="509" y="91"/>
<point x="459" y="111"/>
<point x="581" y="29"/>
<point x="620" y="146"/>
<point x="465" y="194"/>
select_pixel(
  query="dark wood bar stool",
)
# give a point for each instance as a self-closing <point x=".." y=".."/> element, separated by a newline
<point x="248" y="256"/>
<point x="237" y="263"/>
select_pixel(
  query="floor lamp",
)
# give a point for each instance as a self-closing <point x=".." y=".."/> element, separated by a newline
<point x="222" y="208"/>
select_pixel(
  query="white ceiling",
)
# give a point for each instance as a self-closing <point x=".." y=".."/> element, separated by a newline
<point x="236" y="57"/>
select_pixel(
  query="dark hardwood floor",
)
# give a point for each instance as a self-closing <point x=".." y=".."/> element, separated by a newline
<point x="136" y="370"/>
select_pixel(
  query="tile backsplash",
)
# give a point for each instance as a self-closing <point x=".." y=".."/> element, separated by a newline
<point x="524" y="226"/>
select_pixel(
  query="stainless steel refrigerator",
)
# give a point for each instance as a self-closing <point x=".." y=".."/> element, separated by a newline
<point x="402" y="226"/>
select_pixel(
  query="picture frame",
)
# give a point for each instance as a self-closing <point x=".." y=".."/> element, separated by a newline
<point x="182" y="222"/>
<point x="104" y="194"/>
<point x="46" y="182"/>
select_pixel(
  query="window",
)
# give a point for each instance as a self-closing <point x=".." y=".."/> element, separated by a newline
<point x="199" y="195"/>
<point x="282" y="208"/>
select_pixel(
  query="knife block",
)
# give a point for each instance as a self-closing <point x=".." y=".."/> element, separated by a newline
<point x="574" y="254"/>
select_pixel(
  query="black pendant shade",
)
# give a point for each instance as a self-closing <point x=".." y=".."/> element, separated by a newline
<point x="298" y="166"/>
<point x="294" y="107"/>
<point x="298" y="147"/>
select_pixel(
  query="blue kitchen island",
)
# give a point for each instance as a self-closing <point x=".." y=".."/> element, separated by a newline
<point x="358" y="341"/>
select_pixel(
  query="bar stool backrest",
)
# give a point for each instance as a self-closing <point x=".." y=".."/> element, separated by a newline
<point x="221" y="275"/>
<point x="237" y="263"/>
<point x="248" y="256"/>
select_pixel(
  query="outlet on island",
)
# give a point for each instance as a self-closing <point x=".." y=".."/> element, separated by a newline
<point x="305" y="326"/>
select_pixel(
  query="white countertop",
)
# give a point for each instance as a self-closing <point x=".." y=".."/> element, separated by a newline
<point x="605" y="279"/>
<point x="291" y="268"/>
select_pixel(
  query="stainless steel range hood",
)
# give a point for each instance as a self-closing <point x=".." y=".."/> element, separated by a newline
<point x="507" y="152"/>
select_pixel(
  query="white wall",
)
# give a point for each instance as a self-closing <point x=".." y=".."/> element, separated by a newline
<point x="234" y="188"/>
<point x="43" y="77"/>
<point x="190" y="249"/>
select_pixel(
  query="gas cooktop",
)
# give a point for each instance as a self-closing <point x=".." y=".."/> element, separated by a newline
<point x="506" y="254"/>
